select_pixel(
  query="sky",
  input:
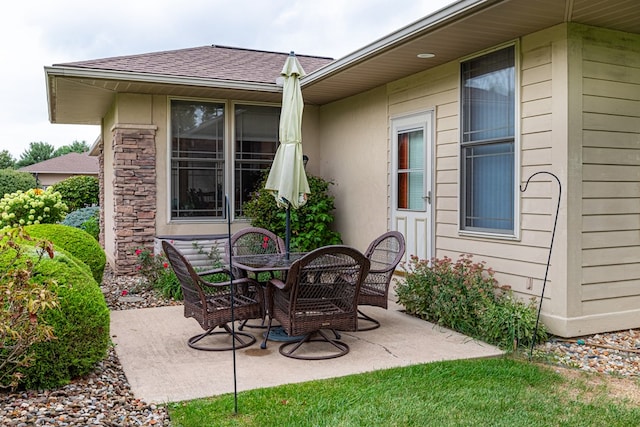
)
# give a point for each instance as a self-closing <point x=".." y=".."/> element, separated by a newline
<point x="41" y="33"/>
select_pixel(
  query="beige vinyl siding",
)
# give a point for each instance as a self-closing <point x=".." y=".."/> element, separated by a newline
<point x="611" y="172"/>
<point x="515" y="261"/>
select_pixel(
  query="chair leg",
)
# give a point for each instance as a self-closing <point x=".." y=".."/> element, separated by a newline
<point x="242" y="339"/>
<point x="374" y="324"/>
<point x="245" y="325"/>
<point x="342" y="347"/>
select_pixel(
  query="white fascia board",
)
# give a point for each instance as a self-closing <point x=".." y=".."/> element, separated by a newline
<point x="62" y="71"/>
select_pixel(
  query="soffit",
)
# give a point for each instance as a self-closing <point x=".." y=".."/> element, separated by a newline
<point x="479" y="27"/>
<point x="76" y="100"/>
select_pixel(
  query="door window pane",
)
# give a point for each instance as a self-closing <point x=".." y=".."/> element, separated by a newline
<point x="410" y="179"/>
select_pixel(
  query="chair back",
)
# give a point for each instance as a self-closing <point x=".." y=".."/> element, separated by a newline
<point x="251" y="241"/>
<point x="384" y="253"/>
<point x="254" y="240"/>
<point x="321" y="291"/>
<point x="187" y="276"/>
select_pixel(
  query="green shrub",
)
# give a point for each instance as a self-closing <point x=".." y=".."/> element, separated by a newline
<point x="158" y="273"/>
<point x="92" y="226"/>
<point x="310" y="225"/>
<point x="510" y="323"/>
<point x="80" y="324"/>
<point x="23" y="300"/>
<point x="33" y="206"/>
<point x="12" y="180"/>
<point x="465" y="297"/>
<point x="86" y="219"/>
<point x="79" y="191"/>
<point x="77" y="242"/>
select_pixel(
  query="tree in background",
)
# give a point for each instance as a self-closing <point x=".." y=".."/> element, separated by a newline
<point x="6" y="160"/>
<point x="41" y="151"/>
<point x="74" y="147"/>
<point x="36" y="153"/>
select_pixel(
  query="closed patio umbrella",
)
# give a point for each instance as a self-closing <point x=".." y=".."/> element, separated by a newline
<point x="287" y="179"/>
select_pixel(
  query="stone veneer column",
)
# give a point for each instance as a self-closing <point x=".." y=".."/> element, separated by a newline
<point x="134" y="193"/>
<point x="101" y="187"/>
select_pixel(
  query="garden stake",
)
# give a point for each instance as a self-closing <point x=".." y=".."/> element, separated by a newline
<point x="233" y="320"/>
<point x="553" y="233"/>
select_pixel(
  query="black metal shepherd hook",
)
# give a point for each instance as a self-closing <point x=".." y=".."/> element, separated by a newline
<point x="233" y="320"/>
<point x="553" y="233"/>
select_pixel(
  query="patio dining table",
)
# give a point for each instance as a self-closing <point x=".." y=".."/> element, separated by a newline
<point x="261" y="263"/>
<point x="268" y="263"/>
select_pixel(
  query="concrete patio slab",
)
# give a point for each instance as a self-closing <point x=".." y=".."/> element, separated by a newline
<point x="151" y="344"/>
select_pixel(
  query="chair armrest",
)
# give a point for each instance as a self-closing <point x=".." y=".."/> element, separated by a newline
<point x="214" y="271"/>
<point x="226" y="283"/>
<point x="278" y="283"/>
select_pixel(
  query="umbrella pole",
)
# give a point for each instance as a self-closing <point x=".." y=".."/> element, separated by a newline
<point x="288" y="232"/>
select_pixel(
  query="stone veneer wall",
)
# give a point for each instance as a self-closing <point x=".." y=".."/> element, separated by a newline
<point x="134" y="192"/>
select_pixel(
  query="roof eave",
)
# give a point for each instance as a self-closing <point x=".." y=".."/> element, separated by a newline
<point x="78" y="72"/>
<point x="439" y="18"/>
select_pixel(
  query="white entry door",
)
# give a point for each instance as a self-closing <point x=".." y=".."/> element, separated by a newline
<point x="412" y="197"/>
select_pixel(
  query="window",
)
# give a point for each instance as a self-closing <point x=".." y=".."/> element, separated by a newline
<point x="200" y="146"/>
<point x="197" y="159"/>
<point x="256" y="137"/>
<point x="411" y="170"/>
<point x="488" y="143"/>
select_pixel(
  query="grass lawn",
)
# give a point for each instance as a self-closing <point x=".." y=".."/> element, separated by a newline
<point x="482" y="392"/>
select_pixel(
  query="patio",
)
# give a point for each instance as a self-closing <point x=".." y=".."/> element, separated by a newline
<point x="151" y="344"/>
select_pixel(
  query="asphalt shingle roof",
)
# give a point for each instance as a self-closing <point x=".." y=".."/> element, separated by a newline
<point x="210" y="62"/>
<point x="72" y="163"/>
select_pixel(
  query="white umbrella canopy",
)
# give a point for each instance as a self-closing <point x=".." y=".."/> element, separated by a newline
<point x="287" y="180"/>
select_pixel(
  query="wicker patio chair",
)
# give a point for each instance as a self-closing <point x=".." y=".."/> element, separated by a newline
<point x="320" y="293"/>
<point x="251" y="241"/>
<point x="210" y="303"/>
<point x="384" y="253"/>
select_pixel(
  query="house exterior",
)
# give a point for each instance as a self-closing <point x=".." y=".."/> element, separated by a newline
<point x="431" y="130"/>
<point x="62" y="167"/>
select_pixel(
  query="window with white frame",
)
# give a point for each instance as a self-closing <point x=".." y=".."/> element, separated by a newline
<point x="488" y="143"/>
<point x="199" y="149"/>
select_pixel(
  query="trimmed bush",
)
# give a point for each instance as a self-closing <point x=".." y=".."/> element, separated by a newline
<point x="11" y="181"/>
<point x="79" y="191"/>
<point x="80" y="323"/>
<point x="23" y="299"/>
<point x="77" y="242"/>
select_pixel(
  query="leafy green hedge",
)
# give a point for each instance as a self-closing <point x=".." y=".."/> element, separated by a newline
<point x="310" y="225"/>
<point x="77" y="242"/>
<point x="78" y="191"/>
<point x="11" y="181"/>
<point x="465" y="296"/>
